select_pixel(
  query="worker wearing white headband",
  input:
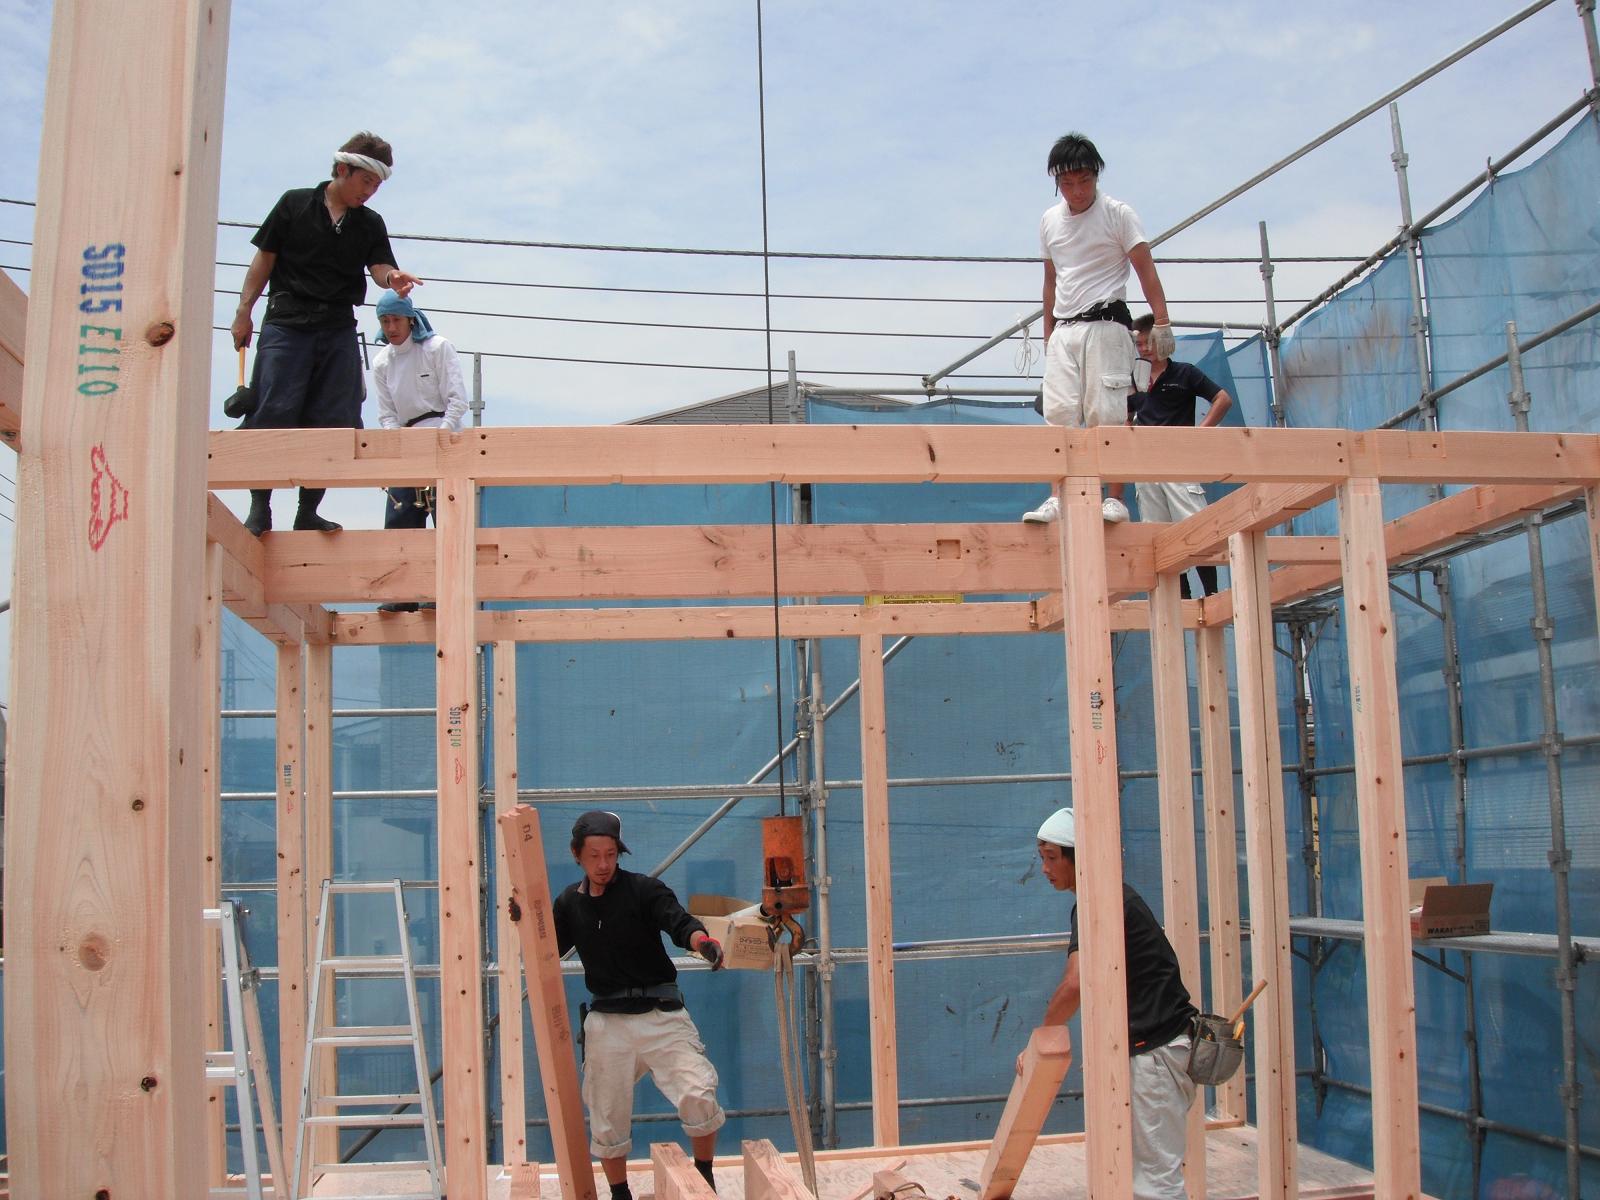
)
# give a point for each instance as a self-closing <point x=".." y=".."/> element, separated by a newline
<point x="315" y="248"/>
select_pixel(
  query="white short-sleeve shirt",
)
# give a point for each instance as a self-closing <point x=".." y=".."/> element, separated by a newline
<point x="1090" y="251"/>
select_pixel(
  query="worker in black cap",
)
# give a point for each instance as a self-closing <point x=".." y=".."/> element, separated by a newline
<point x="637" y="1021"/>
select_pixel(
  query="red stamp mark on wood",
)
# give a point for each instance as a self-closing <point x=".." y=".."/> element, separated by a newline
<point x="108" y="499"/>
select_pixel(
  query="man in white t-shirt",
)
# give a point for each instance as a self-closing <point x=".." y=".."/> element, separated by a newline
<point x="1089" y="241"/>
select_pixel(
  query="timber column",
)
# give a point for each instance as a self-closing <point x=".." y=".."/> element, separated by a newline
<point x="104" y="1008"/>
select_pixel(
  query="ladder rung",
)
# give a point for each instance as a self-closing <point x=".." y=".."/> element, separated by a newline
<point x="365" y="1035"/>
<point x="390" y="1098"/>
<point x="366" y="1120"/>
<point x="356" y="887"/>
<point x="321" y="1195"/>
<point x="357" y="1168"/>
<point x="221" y="1074"/>
<point x="349" y="964"/>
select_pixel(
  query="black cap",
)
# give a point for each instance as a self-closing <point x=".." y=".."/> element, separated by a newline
<point x="599" y="823"/>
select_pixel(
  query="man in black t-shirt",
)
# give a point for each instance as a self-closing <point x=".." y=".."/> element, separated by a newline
<point x="636" y="1020"/>
<point x="1166" y="395"/>
<point x="316" y="247"/>
<point x="1160" y="1020"/>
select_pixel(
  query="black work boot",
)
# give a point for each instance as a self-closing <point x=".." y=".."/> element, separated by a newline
<point x="260" y="518"/>
<point x="306" y="517"/>
<point x="703" y="1165"/>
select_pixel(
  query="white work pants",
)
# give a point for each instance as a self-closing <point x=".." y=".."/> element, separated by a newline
<point x="1162" y="1094"/>
<point x="618" y="1048"/>
<point x="1088" y="374"/>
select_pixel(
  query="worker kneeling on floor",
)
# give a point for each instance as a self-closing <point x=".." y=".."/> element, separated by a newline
<point x="637" y="1021"/>
<point x="1160" y="1020"/>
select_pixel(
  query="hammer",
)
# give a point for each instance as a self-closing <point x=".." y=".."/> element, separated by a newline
<point x="1237" y="1020"/>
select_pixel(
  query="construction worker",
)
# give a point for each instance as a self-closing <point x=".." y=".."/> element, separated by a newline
<point x="636" y="1020"/>
<point x="314" y="248"/>
<point x="1160" y="1020"/>
<point x="1168" y="398"/>
<point x="417" y="376"/>
<point x="1089" y="241"/>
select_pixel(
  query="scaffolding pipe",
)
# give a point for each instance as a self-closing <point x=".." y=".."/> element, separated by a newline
<point x="1483" y="178"/>
<point x="1408" y="245"/>
<point x="1560" y="857"/>
<point x="1270" y="334"/>
<point x="828" y="1051"/>
<point x="1591" y="44"/>
<point x="1355" y="118"/>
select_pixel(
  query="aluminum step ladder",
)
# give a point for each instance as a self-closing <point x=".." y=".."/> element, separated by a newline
<point x="243" y="1066"/>
<point x="403" y="1110"/>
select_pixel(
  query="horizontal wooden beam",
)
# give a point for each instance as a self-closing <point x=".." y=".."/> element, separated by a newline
<point x="1430" y="528"/>
<point x="722" y="562"/>
<point x="244" y="593"/>
<point x="711" y="454"/>
<point x="1254" y="507"/>
<point x="13" y="335"/>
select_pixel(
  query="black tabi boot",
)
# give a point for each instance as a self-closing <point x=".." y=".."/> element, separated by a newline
<point x="306" y="517"/>
<point x="260" y="518"/>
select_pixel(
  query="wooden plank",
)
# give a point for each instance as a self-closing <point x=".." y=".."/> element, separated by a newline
<point x="13" y="337"/>
<point x="767" y="1176"/>
<point x="1261" y="758"/>
<point x="318" y="806"/>
<point x="547" y="998"/>
<point x="1091" y="699"/>
<point x="1180" y="901"/>
<point x="1222" y="845"/>
<point x="460" y="940"/>
<point x="880" y="894"/>
<point x="1381" y="809"/>
<point x="294" y="920"/>
<point x="211" y="850"/>
<point x="721" y="561"/>
<point x="105" y="1025"/>
<point x="1423" y="456"/>
<point x="1033" y="1092"/>
<point x="524" y="1184"/>
<point x="513" y="1093"/>
<point x="675" y="1175"/>
<point x="1253" y="508"/>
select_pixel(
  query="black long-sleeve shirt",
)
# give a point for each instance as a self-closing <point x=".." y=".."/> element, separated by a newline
<point x="618" y="935"/>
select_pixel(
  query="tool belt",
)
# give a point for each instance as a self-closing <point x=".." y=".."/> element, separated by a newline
<point x="425" y="416"/>
<point x="665" y="996"/>
<point x="1106" y="310"/>
<point x="1214" y="1053"/>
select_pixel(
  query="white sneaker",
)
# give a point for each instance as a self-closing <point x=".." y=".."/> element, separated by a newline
<point x="1113" y="511"/>
<point x="1047" y="512"/>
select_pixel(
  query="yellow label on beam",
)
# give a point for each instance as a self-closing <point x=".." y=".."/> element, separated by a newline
<point x="919" y="598"/>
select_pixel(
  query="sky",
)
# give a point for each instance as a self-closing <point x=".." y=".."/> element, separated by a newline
<point x="890" y="128"/>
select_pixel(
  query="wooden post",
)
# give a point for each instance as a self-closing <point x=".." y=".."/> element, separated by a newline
<point x="105" y="1021"/>
<point x="1385" y="868"/>
<point x="1222" y="845"/>
<point x="460" y="943"/>
<point x="767" y="1176"/>
<point x="1261" y="758"/>
<point x="1180" y="900"/>
<point x="513" y="1096"/>
<point x="318" y="807"/>
<point x="211" y="861"/>
<point x="1591" y="500"/>
<point x="1044" y="1066"/>
<point x="547" y="998"/>
<point x="294" y="920"/>
<point x="1091" y="701"/>
<point x="880" y="894"/>
<point x="675" y="1176"/>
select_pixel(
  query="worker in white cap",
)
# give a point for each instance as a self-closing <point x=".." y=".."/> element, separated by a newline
<point x="1160" y="1020"/>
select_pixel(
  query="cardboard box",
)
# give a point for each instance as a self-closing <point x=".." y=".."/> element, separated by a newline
<point x="1441" y="909"/>
<point x="737" y="924"/>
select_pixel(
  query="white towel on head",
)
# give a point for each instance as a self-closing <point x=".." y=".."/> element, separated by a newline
<point x="381" y="170"/>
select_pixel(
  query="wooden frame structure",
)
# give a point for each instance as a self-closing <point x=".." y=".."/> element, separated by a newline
<point x="117" y="598"/>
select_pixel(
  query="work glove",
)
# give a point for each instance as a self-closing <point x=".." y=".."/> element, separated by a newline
<point x="1161" y="341"/>
<point x="711" y="950"/>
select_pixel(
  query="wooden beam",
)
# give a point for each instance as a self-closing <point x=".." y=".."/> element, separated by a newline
<point x="1385" y="868"/>
<point x="1180" y="901"/>
<point x="460" y="942"/>
<point x="513" y="1093"/>
<point x="1222" y="845"/>
<point x="1261" y="757"/>
<point x="880" y="894"/>
<point x="712" y="454"/>
<point x="1430" y="528"/>
<point x="676" y="1178"/>
<point x="1033" y="1092"/>
<point x="104" y="1024"/>
<point x="767" y="1176"/>
<point x="1253" y="508"/>
<point x="13" y="336"/>
<point x="245" y="594"/>
<point x="294" y="920"/>
<point x="318" y="806"/>
<point x="547" y="998"/>
<point x="721" y="561"/>
<point x="211" y="851"/>
<point x="1091" y="699"/>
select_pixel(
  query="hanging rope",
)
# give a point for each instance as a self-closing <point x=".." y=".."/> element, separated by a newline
<point x="783" y="994"/>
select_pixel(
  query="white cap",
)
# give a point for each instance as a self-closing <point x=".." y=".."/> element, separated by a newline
<point x="1060" y="828"/>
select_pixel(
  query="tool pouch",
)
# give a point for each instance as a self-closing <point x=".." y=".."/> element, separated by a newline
<point x="1214" y="1053"/>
